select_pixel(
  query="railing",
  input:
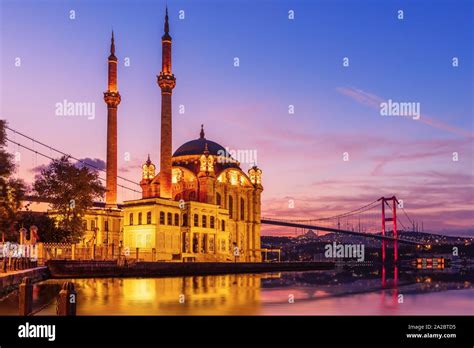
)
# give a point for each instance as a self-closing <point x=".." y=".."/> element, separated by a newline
<point x="66" y="251"/>
<point x="9" y="264"/>
<point x="66" y="300"/>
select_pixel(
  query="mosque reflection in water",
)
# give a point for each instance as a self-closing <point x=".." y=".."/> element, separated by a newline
<point x="386" y="291"/>
<point x="198" y="295"/>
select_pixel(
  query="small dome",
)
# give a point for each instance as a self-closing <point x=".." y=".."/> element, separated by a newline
<point x="148" y="169"/>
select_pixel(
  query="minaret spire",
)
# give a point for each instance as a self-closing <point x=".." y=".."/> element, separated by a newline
<point x="167" y="25"/>
<point x="112" y="45"/>
<point x="167" y="82"/>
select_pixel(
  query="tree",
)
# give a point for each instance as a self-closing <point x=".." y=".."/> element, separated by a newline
<point x="47" y="230"/>
<point x="6" y="161"/>
<point x="12" y="191"/>
<point x="70" y="191"/>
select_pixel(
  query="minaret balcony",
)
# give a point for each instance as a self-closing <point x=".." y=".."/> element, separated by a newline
<point x="112" y="99"/>
<point x="166" y="81"/>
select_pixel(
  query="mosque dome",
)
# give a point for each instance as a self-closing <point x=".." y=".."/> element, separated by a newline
<point x="199" y="146"/>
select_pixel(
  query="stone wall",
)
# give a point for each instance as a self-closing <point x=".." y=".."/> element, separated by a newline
<point x="10" y="281"/>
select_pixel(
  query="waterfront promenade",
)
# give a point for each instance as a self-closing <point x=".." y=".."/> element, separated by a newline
<point x="86" y="269"/>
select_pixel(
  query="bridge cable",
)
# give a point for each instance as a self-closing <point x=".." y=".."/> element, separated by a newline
<point x="68" y="155"/>
<point x="51" y="158"/>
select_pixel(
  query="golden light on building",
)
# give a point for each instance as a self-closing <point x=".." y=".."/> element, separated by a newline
<point x="148" y="169"/>
<point x="177" y="175"/>
<point x="233" y="178"/>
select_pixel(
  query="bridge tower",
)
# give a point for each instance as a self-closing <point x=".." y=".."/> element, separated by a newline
<point x="392" y="219"/>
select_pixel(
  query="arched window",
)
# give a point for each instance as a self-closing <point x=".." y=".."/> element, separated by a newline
<point x="242" y="209"/>
<point x="106" y="226"/>
<point x="148" y="218"/>
<point x="162" y="218"/>
<point x="211" y="222"/>
<point x="231" y="206"/>
<point x="139" y="218"/>
<point x="176" y="219"/>
<point x="196" y="220"/>
<point x="84" y="225"/>
<point x="170" y="219"/>
<point x="185" y="219"/>
<point x="204" y="221"/>
<point x="130" y="221"/>
<point x="192" y="196"/>
<point x="218" y="199"/>
<point x="223" y="225"/>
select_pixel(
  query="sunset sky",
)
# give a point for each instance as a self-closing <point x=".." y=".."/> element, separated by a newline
<point x="282" y="62"/>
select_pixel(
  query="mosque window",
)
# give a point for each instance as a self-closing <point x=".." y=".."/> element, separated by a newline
<point x="84" y="225"/>
<point x="148" y="218"/>
<point x="162" y="218"/>
<point x="170" y="219"/>
<point x="130" y="220"/>
<point x="176" y="219"/>
<point x="242" y="209"/>
<point x="204" y="221"/>
<point x="196" y="220"/>
<point x="139" y="218"/>
<point x="192" y="196"/>
<point x="211" y="222"/>
<point x="106" y="225"/>
<point x="231" y="206"/>
<point x="185" y="219"/>
<point x="195" y="243"/>
<point x="218" y="199"/>
<point x="223" y="225"/>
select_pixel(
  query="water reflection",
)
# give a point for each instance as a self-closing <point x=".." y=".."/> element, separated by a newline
<point x="200" y="295"/>
<point x="339" y="292"/>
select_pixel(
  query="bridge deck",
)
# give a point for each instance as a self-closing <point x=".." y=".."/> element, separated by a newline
<point x="335" y="230"/>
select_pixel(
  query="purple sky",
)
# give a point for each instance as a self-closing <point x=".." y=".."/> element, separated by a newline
<point x="282" y="62"/>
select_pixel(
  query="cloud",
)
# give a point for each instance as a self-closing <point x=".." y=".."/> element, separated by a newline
<point x="91" y="163"/>
<point x="441" y="199"/>
<point x="361" y="96"/>
<point x="373" y="101"/>
<point x="418" y="150"/>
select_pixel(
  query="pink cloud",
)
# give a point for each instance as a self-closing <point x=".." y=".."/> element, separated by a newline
<point x="373" y="101"/>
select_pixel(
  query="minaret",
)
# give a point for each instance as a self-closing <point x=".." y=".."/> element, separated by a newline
<point x="112" y="99"/>
<point x="167" y="82"/>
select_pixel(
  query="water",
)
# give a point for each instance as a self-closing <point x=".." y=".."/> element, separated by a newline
<point x="314" y="293"/>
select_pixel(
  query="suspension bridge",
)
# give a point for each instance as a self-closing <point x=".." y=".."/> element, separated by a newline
<point x="368" y="221"/>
